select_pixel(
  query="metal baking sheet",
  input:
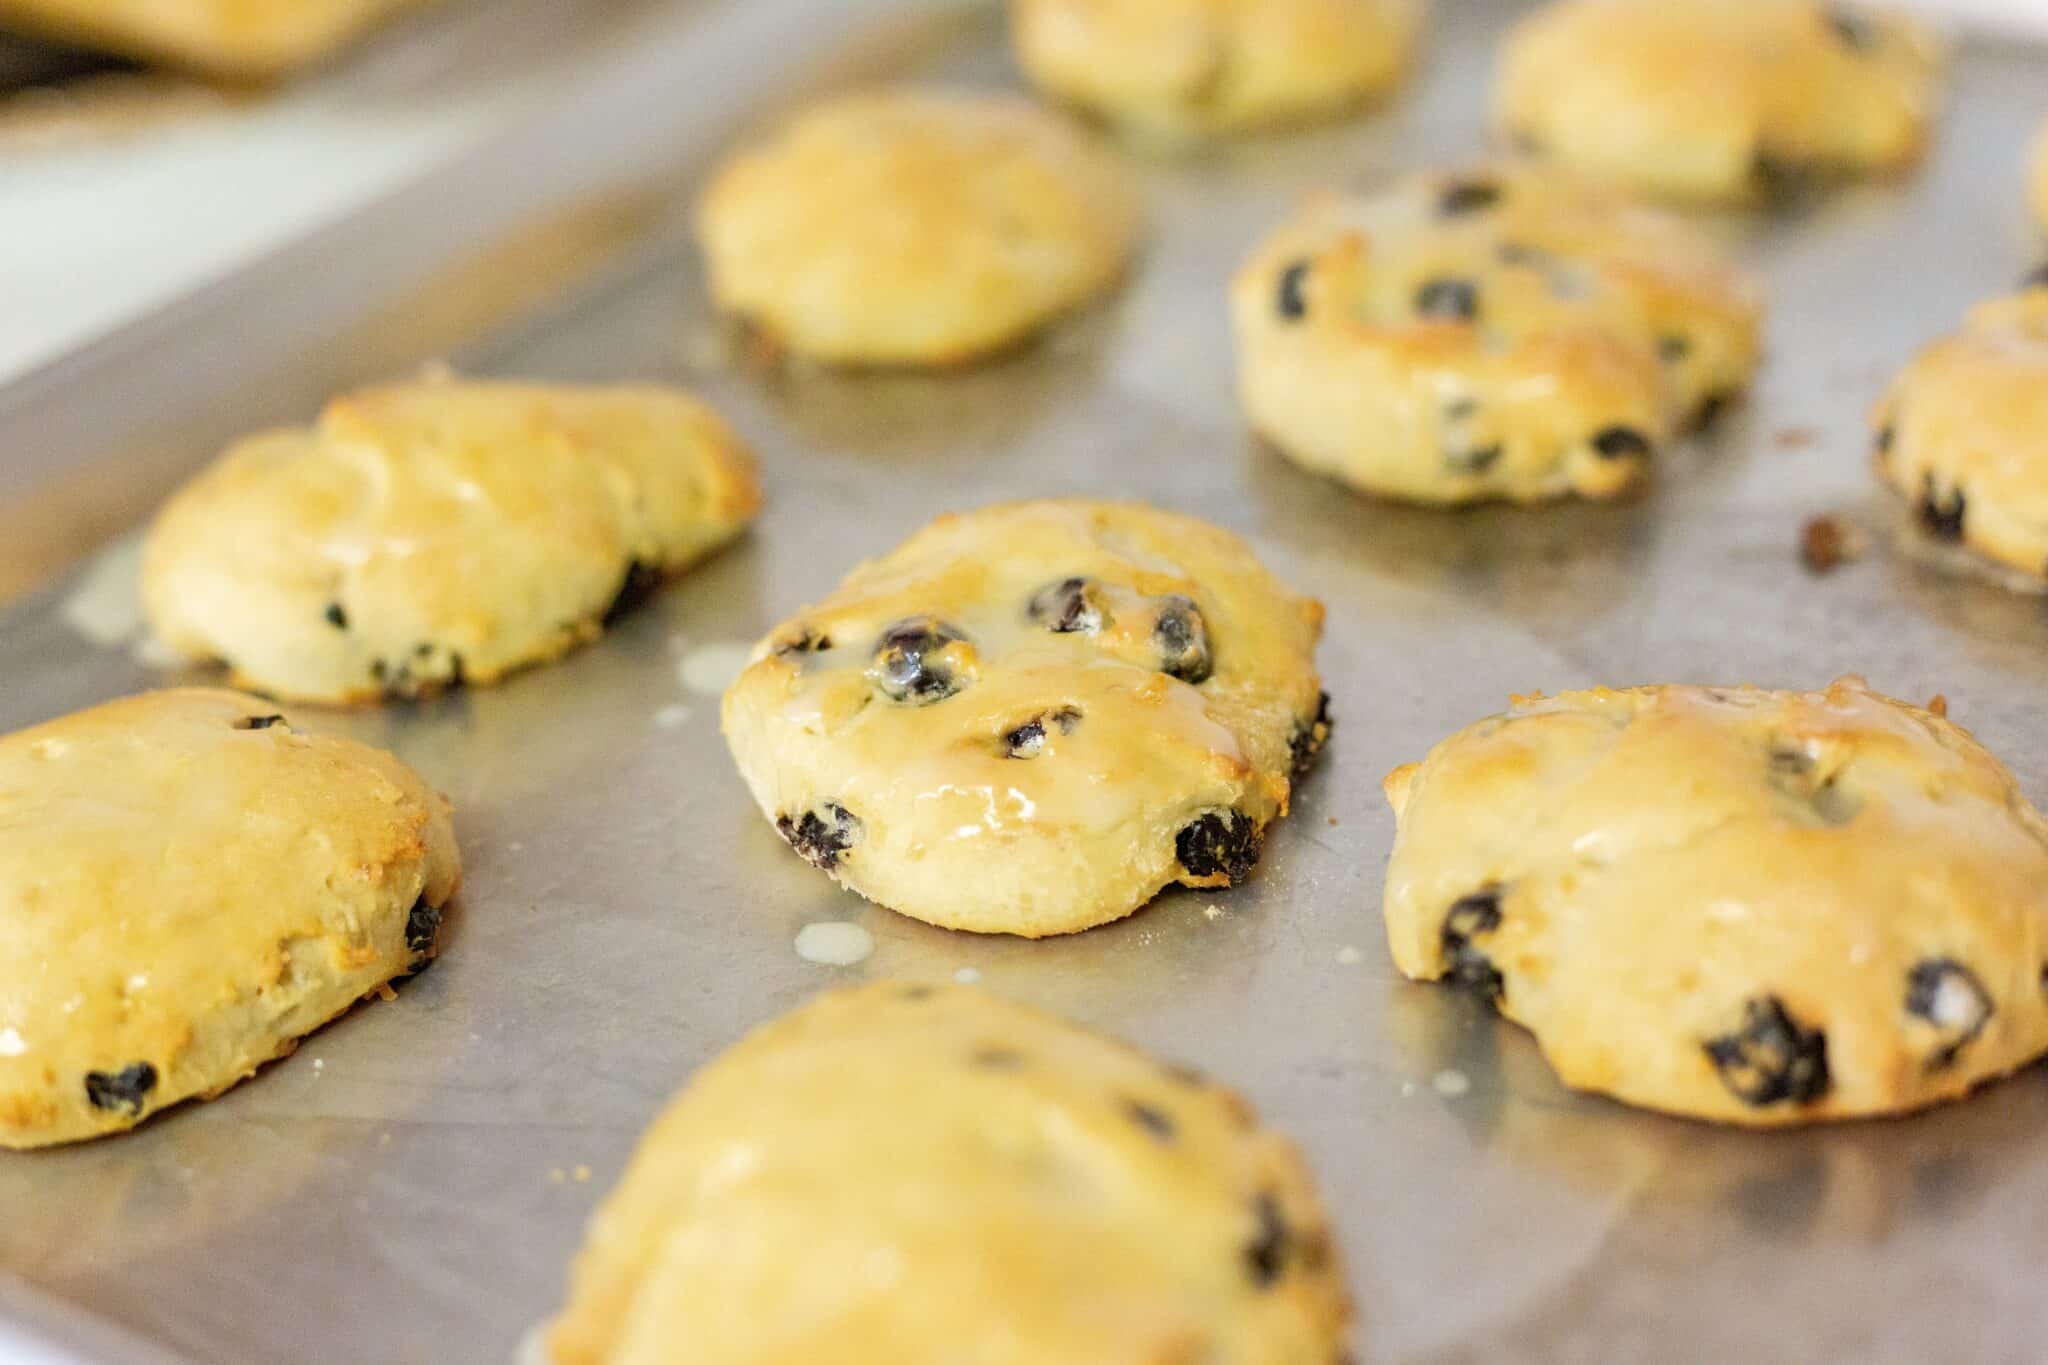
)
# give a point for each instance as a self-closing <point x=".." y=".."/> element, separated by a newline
<point x="410" y="1186"/>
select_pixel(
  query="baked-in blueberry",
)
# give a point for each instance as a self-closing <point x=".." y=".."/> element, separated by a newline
<point x="805" y="641"/>
<point x="1152" y="1120"/>
<point x="1465" y="965"/>
<point x="1949" y="996"/>
<point x="1265" y="1256"/>
<point x="1467" y="196"/>
<point x="1220" y="843"/>
<point x="1856" y="32"/>
<point x="1292" y="302"/>
<point x="421" y="928"/>
<point x="909" y="664"/>
<point x="258" y="722"/>
<point x="1183" y="639"/>
<point x="1473" y="460"/>
<point x="1771" y="1059"/>
<point x="1067" y="607"/>
<point x="822" y="835"/>
<point x="1882" y="442"/>
<point x="1781" y="181"/>
<point x="1941" y="511"/>
<point x="1621" y="443"/>
<point x="1307" y="740"/>
<point x="1672" y="348"/>
<point x="1455" y="300"/>
<point x="636" y="586"/>
<point x="336" y="616"/>
<point x="1028" y="739"/>
<point x="1709" y="410"/>
<point x="123" y="1091"/>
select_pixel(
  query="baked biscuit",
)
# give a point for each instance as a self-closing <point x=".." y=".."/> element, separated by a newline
<point x="1031" y="718"/>
<point x="1750" y="906"/>
<point x="245" y="38"/>
<point x="1714" y="101"/>
<point x="188" y="886"/>
<point x="1962" y="433"/>
<point x="1179" y="69"/>
<point x="430" y="534"/>
<point x="920" y="228"/>
<point x="922" y="1173"/>
<point x="1489" y="334"/>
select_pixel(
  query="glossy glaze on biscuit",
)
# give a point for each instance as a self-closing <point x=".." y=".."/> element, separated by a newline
<point x="189" y="884"/>
<point x="1750" y="906"/>
<point x="1031" y="718"/>
<point x="912" y="1173"/>
<point x="244" y="38"/>
<point x="1491" y="333"/>
<point x="432" y="534"/>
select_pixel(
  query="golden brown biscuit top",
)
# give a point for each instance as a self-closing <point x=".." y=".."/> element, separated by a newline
<point x="233" y="37"/>
<point x="913" y="1173"/>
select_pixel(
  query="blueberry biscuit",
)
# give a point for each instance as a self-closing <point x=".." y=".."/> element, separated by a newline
<point x="1495" y="333"/>
<point x="425" y="535"/>
<point x="1716" y="101"/>
<point x="244" y="38"/>
<point x="1750" y="906"/>
<point x="1031" y="718"/>
<point x="1962" y="433"/>
<point x="1178" y="69"/>
<point x="912" y="1173"/>
<point x="914" y="228"/>
<point x="189" y="884"/>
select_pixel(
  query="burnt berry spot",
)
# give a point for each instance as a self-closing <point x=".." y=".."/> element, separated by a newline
<point x="1855" y="32"/>
<point x="1941" y="513"/>
<point x="1465" y="966"/>
<point x="1949" y="996"/>
<point x="1220" y="844"/>
<point x="1621" y="443"/>
<point x="1066" y="608"/>
<point x="1709" y="410"/>
<point x="336" y="617"/>
<point x="422" y="927"/>
<point x="1183" y="639"/>
<point x="909" y="664"/>
<point x="1153" y="1121"/>
<point x="1291" y="301"/>
<point x="996" y="1058"/>
<point x="1466" y="196"/>
<point x="804" y="643"/>
<point x="1771" y="1059"/>
<point x="637" y="585"/>
<point x="123" y="1091"/>
<point x="1265" y="1256"/>
<point x="1028" y="739"/>
<point x="1452" y="300"/>
<point x="1307" y="740"/>
<point x="258" y="722"/>
<point x="820" y="836"/>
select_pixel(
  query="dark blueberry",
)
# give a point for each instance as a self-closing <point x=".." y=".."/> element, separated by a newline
<point x="2037" y="279"/>
<point x="997" y="1058"/>
<point x="1066" y="608"/>
<point x="1673" y="348"/>
<point x="1883" y="440"/>
<point x="1621" y="443"/>
<point x="1153" y="1121"/>
<point x="1224" y="844"/>
<point x="1183" y="639"/>
<point x="1473" y="461"/>
<point x="821" y="835"/>
<point x="379" y="670"/>
<point x="421" y="651"/>
<point x="1771" y="1059"/>
<point x="336" y="617"/>
<point x="1941" y="514"/>
<point x="1709" y="411"/>
<point x="1307" y="740"/>
<point x="258" y="722"/>
<point x="1028" y="739"/>
<point x="122" y="1091"/>
<point x="1292" y="303"/>
<point x="456" y="676"/>
<point x="804" y="643"/>
<point x="1856" y="32"/>
<point x="422" y="926"/>
<point x="1265" y="1256"/>
<point x="1465" y="966"/>
<point x="1455" y="300"/>
<point x="1467" y="196"/>
<point x="1783" y="183"/>
<point x="636" y="586"/>
<point x="1949" y="996"/>
<point x="1789" y="762"/>
<point x="908" y="666"/>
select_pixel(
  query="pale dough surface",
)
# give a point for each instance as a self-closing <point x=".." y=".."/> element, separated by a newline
<point x="1187" y="68"/>
<point x="1493" y="332"/>
<point x="1724" y="101"/>
<point x="919" y="227"/>
<point x="914" y="1174"/>
<point x="1751" y="906"/>
<point x="439" y="532"/>
<point x="1031" y="718"/>
<point x="246" y="38"/>
<point x="189" y="884"/>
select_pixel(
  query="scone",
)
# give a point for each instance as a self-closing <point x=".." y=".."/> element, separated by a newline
<point x="1031" y="718"/>
<point x="914" y="1174"/>
<point x="1750" y="906"/>
<point x="1719" y="101"/>
<point x="189" y="884"/>
<point x="914" y="228"/>
<point x="1179" y="69"/>
<point x="1962" y="433"/>
<point x="243" y="38"/>
<point x="1497" y="333"/>
<point x="430" y="534"/>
